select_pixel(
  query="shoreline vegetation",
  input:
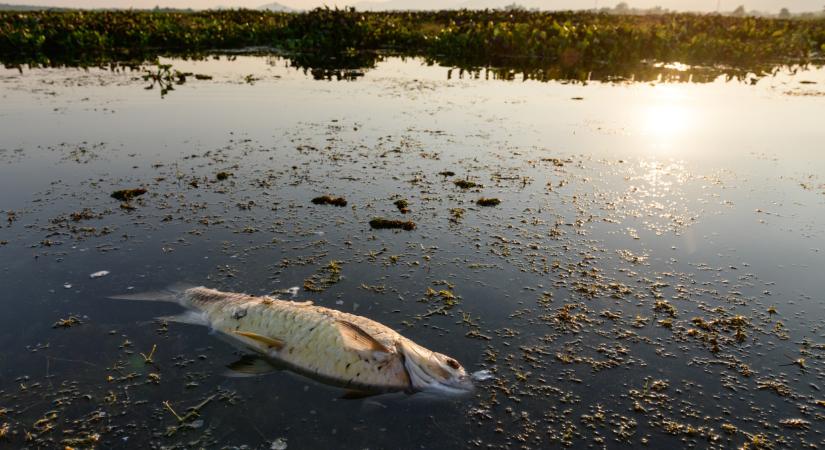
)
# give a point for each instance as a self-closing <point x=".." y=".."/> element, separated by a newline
<point x="560" y="44"/>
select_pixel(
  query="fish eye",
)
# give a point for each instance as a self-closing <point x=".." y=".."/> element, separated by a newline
<point x="453" y="363"/>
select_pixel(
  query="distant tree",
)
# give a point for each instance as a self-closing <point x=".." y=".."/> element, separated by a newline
<point x="515" y="7"/>
<point x="739" y="11"/>
<point x="622" y="7"/>
<point x="784" y="13"/>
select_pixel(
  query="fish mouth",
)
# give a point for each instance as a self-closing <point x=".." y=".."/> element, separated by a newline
<point x="423" y="379"/>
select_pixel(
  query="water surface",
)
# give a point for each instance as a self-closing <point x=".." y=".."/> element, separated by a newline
<point x="652" y="275"/>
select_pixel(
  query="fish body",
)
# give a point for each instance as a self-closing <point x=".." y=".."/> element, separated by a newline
<point x="331" y="346"/>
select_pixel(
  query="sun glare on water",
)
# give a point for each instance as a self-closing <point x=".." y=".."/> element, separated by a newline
<point x="666" y="117"/>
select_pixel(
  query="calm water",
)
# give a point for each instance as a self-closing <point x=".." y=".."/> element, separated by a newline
<point x="653" y="274"/>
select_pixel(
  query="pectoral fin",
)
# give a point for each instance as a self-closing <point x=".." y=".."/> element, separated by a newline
<point x="249" y="366"/>
<point x="359" y="340"/>
<point x="277" y="344"/>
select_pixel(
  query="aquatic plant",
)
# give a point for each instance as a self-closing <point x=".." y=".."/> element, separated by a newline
<point x="381" y="223"/>
<point x="466" y="184"/>
<point x="125" y="195"/>
<point x="483" y="201"/>
<point x="403" y="205"/>
<point x="572" y="43"/>
<point x="47" y="37"/>
<point x="329" y="200"/>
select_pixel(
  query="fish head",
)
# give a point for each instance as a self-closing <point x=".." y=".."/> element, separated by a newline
<point x="433" y="371"/>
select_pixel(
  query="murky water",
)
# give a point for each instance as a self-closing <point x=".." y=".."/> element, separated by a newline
<point x="653" y="273"/>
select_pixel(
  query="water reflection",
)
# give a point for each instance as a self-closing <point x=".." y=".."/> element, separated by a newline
<point x="657" y="193"/>
<point x="666" y="118"/>
<point x="352" y="65"/>
<point x="342" y="67"/>
<point x="643" y="72"/>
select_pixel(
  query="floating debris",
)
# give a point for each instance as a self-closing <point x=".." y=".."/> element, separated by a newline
<point x="445" y="295"/>
<point x="126" y="195"/>
<point x="67" y="323"/>
<point x="402" y="205"/>
<point x="148" y="359"/>
<point x="330" y="200"/>
<point x="556" y="161"/>
<point x="729" y="428"/>
<point x="188" y="420"/>
<point x="456" y="214"/>
<point x="797" y="362"/>
<point x="466" y="184"/>
<point x="797" y="424"/>
<point x="99" y="274"/>
<point x="221" y="176"/>
<point x="328" y="275"/>
<point x="84" y="214"/>
<point x="483" y="201"/>
<point x="381" y="223"/>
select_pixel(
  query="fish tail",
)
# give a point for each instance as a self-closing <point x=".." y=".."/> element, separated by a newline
<point x="171" y="294"/>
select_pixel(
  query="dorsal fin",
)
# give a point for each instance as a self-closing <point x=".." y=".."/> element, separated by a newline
<point x="277" y="344"/>
<point x="358" y="339"/>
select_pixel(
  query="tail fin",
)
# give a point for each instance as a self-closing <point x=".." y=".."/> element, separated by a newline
<point x="171" y="294"/>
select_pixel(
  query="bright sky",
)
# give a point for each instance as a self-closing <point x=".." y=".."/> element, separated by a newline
<point x="707" y="5"/>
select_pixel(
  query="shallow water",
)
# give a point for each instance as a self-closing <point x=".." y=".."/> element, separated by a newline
<point x="652" y="274"/>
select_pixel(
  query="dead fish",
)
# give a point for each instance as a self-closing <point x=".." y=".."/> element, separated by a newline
<point x="331" y="346"/>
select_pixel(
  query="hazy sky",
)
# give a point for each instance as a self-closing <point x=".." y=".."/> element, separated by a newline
<point x="707" y="5"/>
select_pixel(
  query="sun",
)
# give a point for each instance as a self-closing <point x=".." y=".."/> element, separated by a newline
<point x="666" y="115"/>
<point x="666" y="120"/>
